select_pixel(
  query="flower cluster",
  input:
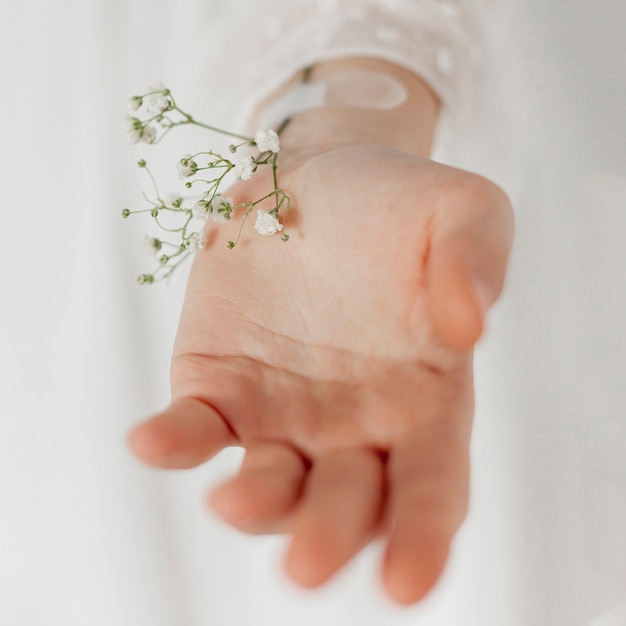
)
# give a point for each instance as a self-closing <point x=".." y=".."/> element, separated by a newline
<point x="155" y="104"/>
<point x="184" y="217"/>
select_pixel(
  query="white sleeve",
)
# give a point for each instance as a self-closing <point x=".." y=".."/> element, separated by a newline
<point x="439" y="40"/>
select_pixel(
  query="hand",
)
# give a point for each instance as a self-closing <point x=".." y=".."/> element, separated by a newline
<point x="341" y="360"/>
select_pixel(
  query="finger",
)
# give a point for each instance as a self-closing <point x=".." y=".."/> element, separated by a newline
<point x="339" y="511"/>
<point x="186" y="434"/>
<point x="259" y="499"/>
<point x="428" y="476"/>
<point x="470" y="246"/>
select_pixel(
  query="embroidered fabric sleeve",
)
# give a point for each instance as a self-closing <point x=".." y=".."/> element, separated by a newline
<point x="439" y="40"/>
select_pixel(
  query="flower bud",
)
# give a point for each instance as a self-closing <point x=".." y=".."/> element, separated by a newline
<point x="145" y="279"/>
<point x="135" y="103"/>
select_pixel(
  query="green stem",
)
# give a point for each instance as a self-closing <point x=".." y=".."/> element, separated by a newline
<point x="275" y="176"/>
<point x="190" y="120"/>
<point x="243" y="221"/>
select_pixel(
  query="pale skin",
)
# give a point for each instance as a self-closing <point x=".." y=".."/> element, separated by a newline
<point x="341" y="360"/>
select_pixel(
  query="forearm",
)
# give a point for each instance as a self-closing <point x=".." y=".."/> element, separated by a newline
<point x="405" y="121"/>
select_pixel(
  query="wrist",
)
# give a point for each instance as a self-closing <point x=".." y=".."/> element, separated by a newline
<point x="348" y="117"/>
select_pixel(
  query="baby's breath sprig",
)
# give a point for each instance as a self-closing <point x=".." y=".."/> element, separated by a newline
<point x="183" y="218"/>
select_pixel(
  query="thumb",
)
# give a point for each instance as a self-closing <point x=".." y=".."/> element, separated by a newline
<point x="470" y="244"/>
<point x="187" y="433"/>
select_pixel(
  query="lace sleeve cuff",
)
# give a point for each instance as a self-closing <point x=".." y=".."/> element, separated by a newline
<point x="438" y="40"/>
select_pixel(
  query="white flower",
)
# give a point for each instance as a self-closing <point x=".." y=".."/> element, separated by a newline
<point x="197" y="241"/>
<point x="221" y="209"/>
<point x="157" y="86"/>
<point x="148" y="134"/>
<point x="131" y="123"/>
<point x="133" y="128"/>
<point x="266" y="223"/>
<point x="157" y="104"/>
<point x="134" y="103"/>
<point x="201" y="210"/>
<point x="245" y="167"/>
<point x="152" y="245"/>
<point x="267" y="140"/>
<point x="187" y="166"/>
<point x="133" y="135"/>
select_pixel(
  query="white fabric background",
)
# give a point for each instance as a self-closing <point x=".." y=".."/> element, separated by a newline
<point x="88" y="537"/>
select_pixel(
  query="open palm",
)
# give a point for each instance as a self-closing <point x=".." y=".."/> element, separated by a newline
<point x="341" y="360"/>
